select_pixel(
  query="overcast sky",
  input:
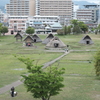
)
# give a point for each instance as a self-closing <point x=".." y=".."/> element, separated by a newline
<point x="92" y="1"/>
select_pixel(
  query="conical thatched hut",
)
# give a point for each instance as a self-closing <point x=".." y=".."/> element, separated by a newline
<point x="36" y="38"/>
<point x="28" y="41"/>
<point x="55" y="43"/>
<point x="48" y="38"/>
<point x="18" y="36"/>
<point x="86" y="40"/>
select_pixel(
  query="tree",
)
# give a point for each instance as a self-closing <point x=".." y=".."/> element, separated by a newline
<point x="74" y="22"/>
<point x="0" y="24"/>
<point x="79" y="24"/>
<point x="69" y="29"/>
<point x="4" y="30"/>
<point x="98" y="28"/>
<point x="60" y="32"/>
<point x="83" y="26"/>
<point x="42" y="84"/>
<point x="65" y="30"/>
<point x="0" y="28"/>
<point x="76" y="29"/>
<point x="97" y="63"/>
<point x="30" y="30"/>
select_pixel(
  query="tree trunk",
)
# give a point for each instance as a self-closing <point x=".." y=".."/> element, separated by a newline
<point x="43" y="98"/>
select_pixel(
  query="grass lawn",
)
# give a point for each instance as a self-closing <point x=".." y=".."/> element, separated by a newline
<point x="11" y="67"/>
<point x="79" y="78"/>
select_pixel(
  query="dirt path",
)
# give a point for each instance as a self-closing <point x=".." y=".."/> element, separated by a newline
<point x="17" y="83"/>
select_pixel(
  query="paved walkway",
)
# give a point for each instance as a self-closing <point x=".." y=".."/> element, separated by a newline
<point x="8" y="87"/>
<point x="53" y="61"/>
<point x="17" y="83"/>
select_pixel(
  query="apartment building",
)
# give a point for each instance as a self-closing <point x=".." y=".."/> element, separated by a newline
<point x="86" y="15"/>
<point x="61" y="8"/>
<point x="17" y="23"/>
<point x="89" y="13"/>
<point x="1" y="16"/>
<point x="39" y="21"/>
<point x="18" y="8"/>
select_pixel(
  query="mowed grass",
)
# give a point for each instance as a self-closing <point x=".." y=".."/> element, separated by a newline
<point x="11" y="67"/>
<point x="79" y="78"/>
<point x="73" y="41"/>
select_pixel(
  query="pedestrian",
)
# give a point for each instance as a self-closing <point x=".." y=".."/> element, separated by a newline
<point x="12" y="91"/>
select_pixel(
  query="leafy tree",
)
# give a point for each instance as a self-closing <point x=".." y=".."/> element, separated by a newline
<point x="74" y="22"/>
<point x="30" y="30"/>
<point x="60" y="32"/>
<point x="79" y="24"/>
<point x="65" y="30"/>
<point x="93" y="29"/>
<point x="69" y="29"/>
<point x="97" y="63"/>
<point x="42" y="84"/>
<point x="0" y="30"/>
<point x="98" y="28"/>
<point x="0" y="24"/>
<point x="4" y="30"/>
<point x="76" y="29"/>
<point x="83" y="26"/>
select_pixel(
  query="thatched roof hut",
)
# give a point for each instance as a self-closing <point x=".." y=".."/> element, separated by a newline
<point x="36" y="38"/>
<point x="18" y="36"/>
<point x="48" y="38"/>
<point x="28" y="41"/>
<point x="55" y="43"/>
<point x="86" y="40"/>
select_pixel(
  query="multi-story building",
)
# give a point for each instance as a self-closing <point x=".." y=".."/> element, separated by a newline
<point x="86" y="15"/>
<point x="32" y="7"/>
<point x="1" y="16"/>
<point x="89" y="13"/>
<point x="61" y="8"/>
<point x="18" y="8"/>
<point x="40" y="21"/>
<point x="75" y="8"/>
<point x="17" y="23"/>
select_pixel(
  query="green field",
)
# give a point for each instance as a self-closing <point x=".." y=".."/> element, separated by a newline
<point x="80" y="80"/>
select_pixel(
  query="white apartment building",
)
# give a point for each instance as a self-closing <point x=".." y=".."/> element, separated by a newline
<point x="18" y="8"/>
<point x="39" y="21"/>
<point x="86" y="15"/>
<point x="75" y="8"/>
<point x="1" y="16"/>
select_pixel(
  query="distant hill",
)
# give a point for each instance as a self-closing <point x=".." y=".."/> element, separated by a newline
<point x="81" y="3"/>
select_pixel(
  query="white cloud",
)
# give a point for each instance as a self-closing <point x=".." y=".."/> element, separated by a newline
<point x="91" y="1"/>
